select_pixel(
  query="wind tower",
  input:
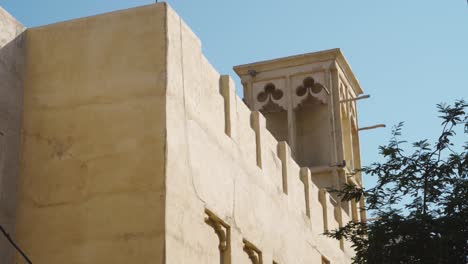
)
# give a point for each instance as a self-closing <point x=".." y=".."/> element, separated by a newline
<point x="309" y="101"/>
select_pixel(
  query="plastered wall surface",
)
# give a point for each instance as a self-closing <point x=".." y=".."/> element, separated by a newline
<point x="11" y="95"/>
<point x="213" y="163"/>
<point x="134" y="149"/>
<point x="91" y="188"/>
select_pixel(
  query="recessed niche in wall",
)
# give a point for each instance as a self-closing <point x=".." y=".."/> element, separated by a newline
<point x="312" y="122"/>
<point x="271" y="100"/>
<point x="356" y="153"/>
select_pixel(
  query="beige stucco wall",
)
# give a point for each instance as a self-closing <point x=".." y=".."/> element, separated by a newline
<point x="11" y="95"/>
<point x="130" y="136"/>
<point x="91" y="188"/>
<point x="208" y="168"/>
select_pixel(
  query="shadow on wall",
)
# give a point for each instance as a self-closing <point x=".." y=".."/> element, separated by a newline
<point x="11" y="101"/>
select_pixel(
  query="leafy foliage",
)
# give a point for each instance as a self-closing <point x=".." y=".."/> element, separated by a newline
<point x="420" y="201"/>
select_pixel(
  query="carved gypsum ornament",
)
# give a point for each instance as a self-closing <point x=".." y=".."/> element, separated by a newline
<point x="308" y="100"/>
<point x="253" y="253"/>
<point x="311" y="91"/>
<point x="268" y="96"/>
<point x="220" y="229"/>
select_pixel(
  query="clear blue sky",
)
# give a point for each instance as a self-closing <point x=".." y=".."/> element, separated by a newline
<point x="408" y="55"/>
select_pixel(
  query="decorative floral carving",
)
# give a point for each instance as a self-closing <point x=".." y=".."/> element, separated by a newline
<point x="269" y="92"/>
<point x="268" y="96"/>
<point x="309" y="85"/>
<point x="310" y="90"/>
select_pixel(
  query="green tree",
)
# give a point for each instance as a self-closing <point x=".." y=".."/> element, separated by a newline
<point x="419" y="206"/>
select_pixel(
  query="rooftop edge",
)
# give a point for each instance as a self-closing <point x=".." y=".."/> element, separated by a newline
<point x="301" y="59"/>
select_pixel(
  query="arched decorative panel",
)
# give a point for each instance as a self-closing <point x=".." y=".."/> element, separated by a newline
<point x="270" y="96"/>
<point x="308" y="91"/>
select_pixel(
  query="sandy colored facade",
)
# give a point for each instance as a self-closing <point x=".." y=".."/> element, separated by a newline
<point x="11" y="93"/>
<point x="127" y="146"/>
